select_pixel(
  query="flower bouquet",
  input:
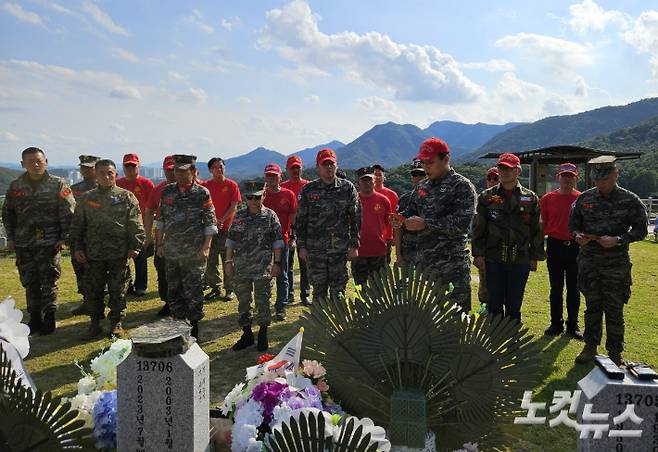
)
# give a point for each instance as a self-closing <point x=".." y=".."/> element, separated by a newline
<point x="96" y="400"/>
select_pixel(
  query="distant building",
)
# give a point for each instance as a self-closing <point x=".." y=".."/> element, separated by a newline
<point x="73" y="176"/>
<point x="152" y="173"/>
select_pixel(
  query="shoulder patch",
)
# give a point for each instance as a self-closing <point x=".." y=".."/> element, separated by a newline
<point x="65" y="193"/>
<point x="207" y="204"/>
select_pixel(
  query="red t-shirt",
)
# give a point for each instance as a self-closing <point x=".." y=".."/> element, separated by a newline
<point x="295" y="187"/>
<point x="555" y="209"/>
<point x="223" y="194"/>
<point x="284" y="204"/>
<point x="375" y="224"/>
<point x="393" y="198"/>
<point x="141" y="188"/>
<point x="154" y="200"/>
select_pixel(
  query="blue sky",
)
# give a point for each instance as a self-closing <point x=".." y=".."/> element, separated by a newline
<point x="221" y="78"/>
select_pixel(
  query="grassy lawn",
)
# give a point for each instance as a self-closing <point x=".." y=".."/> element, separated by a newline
<point x="51" y="359"/>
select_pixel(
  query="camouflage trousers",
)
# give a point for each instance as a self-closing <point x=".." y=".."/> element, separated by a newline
<point x="457" y="271"/>
<point x="217" y="250"/>
<point x="185" y="287"/>
<point x="111" y="272"/>
<point x="257" y="290"/>
<point x="328" y="273"/>
<point x="39" y="269"/>
<point x="606" y="284"/>
<point x="363" y="267"/>
<point x="79" y="270"/>
<point x="483" y="294"/>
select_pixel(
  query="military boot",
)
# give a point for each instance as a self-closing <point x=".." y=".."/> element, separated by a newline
<point x="616" y="358"/>
<point x="80" y="310"/>
<point x="262" y="339"/>
<point x="195" y="330"/>
<point x="587" y="355"/>
<point x="245" y="340"/>
<point x="48" y="325"/>
<point x="117" y="330"/>
<point x="94" y="329"/>
<point x="35" y="323"/>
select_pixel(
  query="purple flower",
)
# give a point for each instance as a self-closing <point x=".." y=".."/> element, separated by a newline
<point x="105" y="420"/>
<point x="312" y="392"/>
<point x="297" y="403"/>
<point x="259" y="392"/>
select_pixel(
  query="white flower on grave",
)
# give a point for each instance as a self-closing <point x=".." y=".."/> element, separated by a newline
<point x="281" y="414"/>
<point x="105" y="365"/>
<point x="377" y="433"/>
<point x="122" y="347"/>
<point x="247" y="418"/>
<point x="297" y="382"/>
<point x="84" y="403"/>
<point x="11" y="328"/>
<point x="250" y="413"/>
<point x="241" y="436"/>
<point x="86" y="385"/>
<point x="254" y="445"/>
<point x="231" y="399"/>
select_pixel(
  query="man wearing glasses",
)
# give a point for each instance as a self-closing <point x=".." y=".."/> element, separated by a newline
<point x="328" y="224"/>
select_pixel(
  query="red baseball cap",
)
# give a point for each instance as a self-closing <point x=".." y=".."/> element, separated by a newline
<point x="509" y="160"/>
<point x="273" y="168"/>
<point x="324" y="155"/>
<point x="567" y="168"/>
<point x="293" y="161"/>
<point x="492" y="170"/>
<point x="432" y="147"/>
<point x="168" y="163"/>
<point x="129" y="159"/>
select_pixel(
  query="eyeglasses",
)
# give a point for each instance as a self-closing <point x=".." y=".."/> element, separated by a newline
<point x="252" y="197"/>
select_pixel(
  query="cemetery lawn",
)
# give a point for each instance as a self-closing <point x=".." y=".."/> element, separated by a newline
<point x="52" y="358"/>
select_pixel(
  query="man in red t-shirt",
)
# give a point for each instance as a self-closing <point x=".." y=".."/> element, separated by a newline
<point x="149" y="214"/>
<point x="284" y="203"/>
<point x="375" y="224"/>
<point x="141" y="187"/>
<point x="562" y="251"/>
<point x="393" y="198"/>
<point x="295" y="183"/>
<point x="225" y="195"/>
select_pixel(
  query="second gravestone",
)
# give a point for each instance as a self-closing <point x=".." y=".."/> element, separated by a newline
<point x="163" y="391"/>
<point x="631" y="402"/>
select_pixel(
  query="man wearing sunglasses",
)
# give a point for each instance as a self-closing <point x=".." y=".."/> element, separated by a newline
<point x="253" y="258"/>
<point x="328" y="223"/>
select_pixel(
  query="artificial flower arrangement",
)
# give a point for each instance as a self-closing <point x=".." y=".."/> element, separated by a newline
<point x="276" y="389"/>
<point x="96" y="400"/>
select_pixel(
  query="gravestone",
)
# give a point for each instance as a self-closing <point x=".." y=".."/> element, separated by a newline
<point x="163" y="391"/>
<point x="614" y="397"/>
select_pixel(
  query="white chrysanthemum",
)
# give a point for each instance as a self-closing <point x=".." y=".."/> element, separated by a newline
<point x="86" y="385"/>
<point x="281" y="414"/>
<point x="11" y="328"/>
<point x="254" y="445"/>
<point x="241" y="436"/>
<point x="231" y="398"/>
<point x="249" y="413"/>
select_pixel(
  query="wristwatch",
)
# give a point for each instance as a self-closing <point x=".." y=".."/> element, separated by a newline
<point x="620" y="241"/>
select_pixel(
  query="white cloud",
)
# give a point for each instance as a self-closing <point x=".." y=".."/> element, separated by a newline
<point x="245" y="100"/>
<point x="495" y="65"/>
<point x="125" y="55"/>
<point x="118" y="127"/>
<point x="196" y="18"/>
<point x="512" y="88"/>
<point x="379" y="108"/>
<point x="410" y="71"/>
<point x="312" y="99"/>
<point x="558" y="55"/>
<point x="54" y="7"/>
<point x="589" y="16"/>
<point x="643" y="35"/>
<point x="302" y="73"/>
<point x="23" y="15"/>
<point x="556" y="105"/>
<point x="175" y="76"/>
<point x="192" y="95"/>
<point x="653" y="65"/>
<point x="229" y="24"/>
<point x="126" y="92"/>
<point x="7" y="137"/>
<point x="103" y="19"/>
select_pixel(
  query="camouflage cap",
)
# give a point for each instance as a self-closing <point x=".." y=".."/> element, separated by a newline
<point x="182" y="161"/>
<point x="601" y="167"/>
<point x="366" y="171"/>
<point x="253" y="188"/>
<point x="416" y="167"/>
<point x="88" y="160"/>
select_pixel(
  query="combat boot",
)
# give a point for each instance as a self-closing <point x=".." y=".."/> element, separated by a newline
<point x="117" y="330"/>
<point x="35" y="323"/>
<point x="245" y="340"/>
<point x="80" y="310"/>
<point x="262" y="339"/>
<point x="587" y="355"/>
<point x="94" y="330"/>
<point x="616" y="358"/>
<point x="165" y="311"/>
<point x="195" y="330"/>
<point x="48" y="325"/>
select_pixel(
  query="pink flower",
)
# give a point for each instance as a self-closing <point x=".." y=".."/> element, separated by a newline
<point x="322" y="385"/>
<point x="313" y="369"/>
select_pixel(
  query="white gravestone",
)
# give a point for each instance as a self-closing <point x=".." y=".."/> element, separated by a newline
<point x="615" y="398"/>
<point x="163" y="391"/>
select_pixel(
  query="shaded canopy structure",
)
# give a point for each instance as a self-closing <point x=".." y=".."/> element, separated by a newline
<point x="539" y="159"/>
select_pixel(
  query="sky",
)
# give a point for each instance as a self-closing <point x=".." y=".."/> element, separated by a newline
<point x="221" y="78"/>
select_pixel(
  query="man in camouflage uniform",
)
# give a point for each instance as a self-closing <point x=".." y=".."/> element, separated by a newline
<point x="254" y="239"/>
<point x="88" y="182"/>
<point x="406" y="241"/>
<point x="185" y="226"/>
<point x="440" y="211"/>
<point x="604" y="220"/>
<point x="106" y="231"/>
<point x="36" y="214"/>
<point x="492" y="179"/>
<point x="327" y="224"/>
<point x="508" y="238"/>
